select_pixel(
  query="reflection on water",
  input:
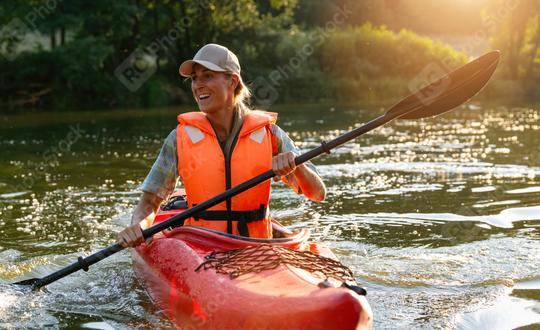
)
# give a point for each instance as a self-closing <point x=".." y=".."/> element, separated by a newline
<point x="523" y="305"/>
<point x="439" y="218"/>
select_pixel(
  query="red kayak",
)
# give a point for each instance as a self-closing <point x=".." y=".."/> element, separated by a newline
<point x="204" y="279"/>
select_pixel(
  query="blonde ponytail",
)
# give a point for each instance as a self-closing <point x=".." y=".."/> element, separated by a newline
<point x="242" y="96"/>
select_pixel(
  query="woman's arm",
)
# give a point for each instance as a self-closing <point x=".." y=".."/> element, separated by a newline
<point x="142" y="218"/>
<point x="309" y="182"/>
<point x="160" y="181"/>
<point x="305" y="180"/>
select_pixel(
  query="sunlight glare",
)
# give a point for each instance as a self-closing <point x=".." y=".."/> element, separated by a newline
<point x="6" y="300"/>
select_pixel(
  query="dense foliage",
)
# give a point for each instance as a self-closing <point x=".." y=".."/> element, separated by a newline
<point x="99" y="54"/>
<point x="514" y="28"/>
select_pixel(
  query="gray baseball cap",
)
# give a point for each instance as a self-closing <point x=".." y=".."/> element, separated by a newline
<point x="213" y="57"/>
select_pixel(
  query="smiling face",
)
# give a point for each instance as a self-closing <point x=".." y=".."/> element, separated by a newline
<point x="213" y="91"/>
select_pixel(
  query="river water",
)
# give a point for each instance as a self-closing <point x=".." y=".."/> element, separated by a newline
<point x="439" y="219"/>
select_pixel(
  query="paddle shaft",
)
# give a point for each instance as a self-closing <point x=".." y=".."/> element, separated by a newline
<point x="461" y="84"/>
<point x="178" y="220"/>
<point x="82" y="263"/>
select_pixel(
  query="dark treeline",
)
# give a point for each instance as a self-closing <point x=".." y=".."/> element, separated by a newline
<point x="60" y="54"/>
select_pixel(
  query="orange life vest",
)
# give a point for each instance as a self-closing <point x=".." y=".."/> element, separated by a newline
<point x="206" y="172"/>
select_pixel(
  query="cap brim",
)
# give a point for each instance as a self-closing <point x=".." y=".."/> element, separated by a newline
<point x="186" y="68"/>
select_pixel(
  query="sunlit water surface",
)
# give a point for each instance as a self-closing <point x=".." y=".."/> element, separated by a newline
<point x="439" y="219"/>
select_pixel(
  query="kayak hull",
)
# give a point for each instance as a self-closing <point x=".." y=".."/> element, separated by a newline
<point x="282" y="298"/>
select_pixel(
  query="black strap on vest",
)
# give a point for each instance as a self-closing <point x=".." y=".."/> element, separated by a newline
<point x="243" y="217"/>
<point x="175" y="203"/>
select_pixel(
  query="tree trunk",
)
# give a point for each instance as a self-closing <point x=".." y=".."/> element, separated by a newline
<point x="182" y="50"/>
<point x="156" y="30"/>
<point x="529" y="72"/>
<point x="135" y="30"/>
<point x="53" y="39"/>
<point x="63" y="36"/>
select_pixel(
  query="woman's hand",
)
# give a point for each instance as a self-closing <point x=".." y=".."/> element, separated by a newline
<point x="309" y="182"/>
<point x="283" y="164"/>
<point x="142" y="218"/>
<point x="131" y="236"/>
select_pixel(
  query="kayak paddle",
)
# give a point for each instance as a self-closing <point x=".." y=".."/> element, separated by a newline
<point x="436" y="98"/>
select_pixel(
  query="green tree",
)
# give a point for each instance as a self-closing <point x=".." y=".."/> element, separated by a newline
<point x="88" y="40"/>
<point x="515" y="27"/>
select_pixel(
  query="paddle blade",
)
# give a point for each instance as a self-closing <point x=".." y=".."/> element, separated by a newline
<point x="448" y="91"/>
<point x="29" y="282"/>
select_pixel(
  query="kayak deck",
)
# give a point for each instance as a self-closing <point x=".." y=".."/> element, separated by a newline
<point x="284" y="297"/>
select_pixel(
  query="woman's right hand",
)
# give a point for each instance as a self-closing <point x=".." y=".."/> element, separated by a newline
<point x="131" y="236"/>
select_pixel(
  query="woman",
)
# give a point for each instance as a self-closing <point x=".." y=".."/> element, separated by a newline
<point x="219" y="147"/>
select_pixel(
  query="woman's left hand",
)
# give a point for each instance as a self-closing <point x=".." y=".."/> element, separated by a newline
<point x="283" y="164"/>
<point x="309" y="182"/>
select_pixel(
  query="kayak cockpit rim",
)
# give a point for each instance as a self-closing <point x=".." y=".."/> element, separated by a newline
<point x="302" y="234"/>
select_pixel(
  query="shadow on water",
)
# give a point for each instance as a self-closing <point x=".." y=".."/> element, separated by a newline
<point x="439" y="218"/>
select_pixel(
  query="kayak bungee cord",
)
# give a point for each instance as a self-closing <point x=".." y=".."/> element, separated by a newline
<point x="434" y="99"/>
